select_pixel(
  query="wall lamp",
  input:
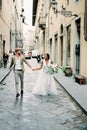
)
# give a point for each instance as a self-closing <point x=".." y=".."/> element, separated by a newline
<point x="63" y="12"/>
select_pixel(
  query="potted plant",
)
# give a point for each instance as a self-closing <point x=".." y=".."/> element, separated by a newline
<point x="67" y="70"/>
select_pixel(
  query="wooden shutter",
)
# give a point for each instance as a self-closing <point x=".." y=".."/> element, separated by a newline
<point x="85" y="21"/>
<point x="0" y="4"/>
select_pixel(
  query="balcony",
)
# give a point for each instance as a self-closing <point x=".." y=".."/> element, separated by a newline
<point x="42" y="23"/>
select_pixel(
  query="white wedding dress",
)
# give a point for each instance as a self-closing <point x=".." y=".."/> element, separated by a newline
<point x="45" y="84"/>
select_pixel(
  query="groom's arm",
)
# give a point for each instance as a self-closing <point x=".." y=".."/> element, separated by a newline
<point x="26" y="62"/>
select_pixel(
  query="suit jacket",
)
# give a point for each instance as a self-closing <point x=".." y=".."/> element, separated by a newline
<point x="22" y="60"/>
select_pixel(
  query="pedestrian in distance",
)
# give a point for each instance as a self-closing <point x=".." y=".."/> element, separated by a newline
<point x="38" y="58"/>
<point x="45" y="84"/>
<point x="5" y="59"/>
<point x="17" y="61"/>
<point x="10" y="55"/>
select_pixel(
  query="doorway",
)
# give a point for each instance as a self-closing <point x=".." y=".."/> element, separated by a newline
<point x="61" y="45"/>
<point x="3" y="46"/>
<point x="61" y="49"/>
<point x="77" y="46"/>
<point x="50" y="47"/>
<point x="56" y="49"/>
<point x="68" y="56"/>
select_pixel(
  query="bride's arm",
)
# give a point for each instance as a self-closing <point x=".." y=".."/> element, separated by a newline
<point x="41" y="65"/>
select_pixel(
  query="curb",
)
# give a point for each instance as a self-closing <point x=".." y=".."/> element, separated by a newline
<point x="81" y="107"/>
<point x="5" y="76"/>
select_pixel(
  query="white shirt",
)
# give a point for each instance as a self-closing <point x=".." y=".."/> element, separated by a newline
<point x="17" y="64"/>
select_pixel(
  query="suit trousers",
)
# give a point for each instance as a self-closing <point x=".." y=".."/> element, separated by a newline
<point x="19" y="79"/>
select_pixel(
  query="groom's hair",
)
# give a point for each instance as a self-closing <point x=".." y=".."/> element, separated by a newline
<point x="48" y="56"/>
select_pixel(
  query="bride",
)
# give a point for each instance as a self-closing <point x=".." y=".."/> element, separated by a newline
<point x="45" y="84"/>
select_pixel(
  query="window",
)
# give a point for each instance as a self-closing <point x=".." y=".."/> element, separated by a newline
<point x="77" y="0"/>
<point x="0" y="4"/>
<point x="61" y="29"/>
<point x="67" y="2"/>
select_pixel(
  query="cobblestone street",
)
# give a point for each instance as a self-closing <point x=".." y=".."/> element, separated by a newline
<point x="43" y="65"/>
<point x="37" y="112"/>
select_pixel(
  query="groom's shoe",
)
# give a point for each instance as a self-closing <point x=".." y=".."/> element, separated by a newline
<point x="21" y="92"/>
<point x="17" y="95"/>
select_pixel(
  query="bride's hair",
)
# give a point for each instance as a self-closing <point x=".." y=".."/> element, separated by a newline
<point x="48" y="55"/>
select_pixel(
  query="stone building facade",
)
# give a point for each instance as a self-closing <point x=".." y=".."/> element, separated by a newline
<point x="28" y="34"/>
<point x="10" y="25"/>
<point x="62" y="33"/>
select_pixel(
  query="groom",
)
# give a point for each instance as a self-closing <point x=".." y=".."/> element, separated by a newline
<point x="17" y="61"/>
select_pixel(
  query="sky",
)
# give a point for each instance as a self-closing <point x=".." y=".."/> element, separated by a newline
<point x="28" y="11"/>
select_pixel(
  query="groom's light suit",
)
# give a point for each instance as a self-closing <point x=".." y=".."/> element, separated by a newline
<point x="19" y="73"/>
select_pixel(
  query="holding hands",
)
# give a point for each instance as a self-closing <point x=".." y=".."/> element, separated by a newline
<point x="33" y="69"/>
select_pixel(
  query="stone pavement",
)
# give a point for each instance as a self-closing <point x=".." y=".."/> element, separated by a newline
<point x="76" y="91"/>
<point x="3" y="73"/>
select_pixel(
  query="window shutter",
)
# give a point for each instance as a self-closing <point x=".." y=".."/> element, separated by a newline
<point x="85" y="21"/>
<point x="0" y="4"/>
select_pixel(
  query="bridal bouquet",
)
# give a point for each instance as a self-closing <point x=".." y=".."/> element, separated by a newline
<point x="53" y="68"/>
